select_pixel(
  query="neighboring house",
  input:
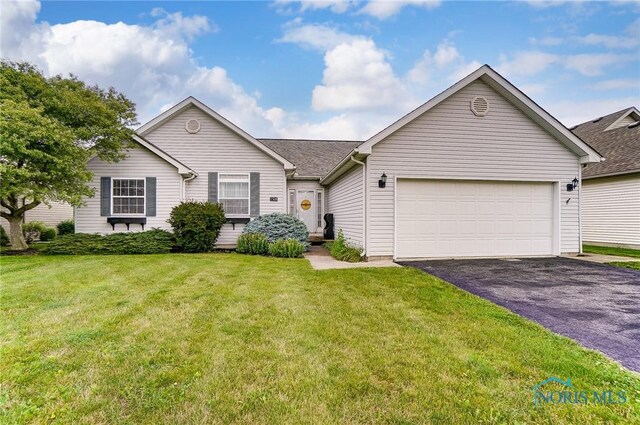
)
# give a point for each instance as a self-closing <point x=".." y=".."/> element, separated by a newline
<point x="50" y="215"/>
<point x="479" y="170"/>
<point x="611" y="189"/>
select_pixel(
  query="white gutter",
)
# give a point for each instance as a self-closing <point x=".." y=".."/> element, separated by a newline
<point x="364" y="204"/>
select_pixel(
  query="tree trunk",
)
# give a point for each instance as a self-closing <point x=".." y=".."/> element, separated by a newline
<point x="15" y="234"/>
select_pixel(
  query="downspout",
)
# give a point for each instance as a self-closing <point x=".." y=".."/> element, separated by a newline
<point x="184" y="186"/>
<point x="579" y="209"/>
<point x="364" y="205"/>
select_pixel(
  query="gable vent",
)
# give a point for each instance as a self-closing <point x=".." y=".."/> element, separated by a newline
<point x="479" y="106"/>
<point x="192" y="126"/>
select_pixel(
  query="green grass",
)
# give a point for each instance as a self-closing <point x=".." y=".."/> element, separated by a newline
<point x="226" y="338"/>
<point x="607" y="250"/>
<point x="635" y="265"/>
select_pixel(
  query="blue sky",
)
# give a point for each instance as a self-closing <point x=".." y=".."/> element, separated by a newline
<point x="334" y="69"/>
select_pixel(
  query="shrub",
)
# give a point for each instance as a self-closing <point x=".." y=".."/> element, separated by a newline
<point x="48" y="234"/>
<point x="286" y="248"/>
<point x="341" y="250"/>
<point x="252" y="243"/>
<point x="155" y="241"/>
<point x="32" y="230"/>
<point x="197" y="225"/>
<point x="4" y="238"/>
<point x="279" y="226"/>
<point x="66" y="227"/>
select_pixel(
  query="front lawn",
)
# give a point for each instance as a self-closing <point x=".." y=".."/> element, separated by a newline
<point x="635" y="265"/>
<point x="226" y="338"/>
<point x="608" y="250"/>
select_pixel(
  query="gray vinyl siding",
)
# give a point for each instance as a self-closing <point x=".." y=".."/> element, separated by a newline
<point x="140" y="163"/>
<point x="49" y="215"/>
<point x="346" y="205"/>
<point x="449" y="141"/>
<point x="611" y="210"/>
<point x="215" y="148"/>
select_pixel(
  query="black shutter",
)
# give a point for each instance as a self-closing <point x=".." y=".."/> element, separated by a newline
<point x="254" y="179"/>
<point x="105" y="196"/>
<point x="213" y="187"/>
<point x="150" y="192"/>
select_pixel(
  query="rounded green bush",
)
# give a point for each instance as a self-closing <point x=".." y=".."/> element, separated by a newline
<point x="279" y="226"/>
<point x="48" y="234"/>
<point x="197" y="225"/>
<point x="252" y="243"/>
<point x="66" y="227"/>
<point x="32" y="230"/>
<point x="286" y="248"/>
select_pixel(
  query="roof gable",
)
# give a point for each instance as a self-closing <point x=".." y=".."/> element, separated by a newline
<point x="494" y="80"/>
<point x="631" y="116"/>
<point x="192" y="101"/>
<point x="182" y="169"/>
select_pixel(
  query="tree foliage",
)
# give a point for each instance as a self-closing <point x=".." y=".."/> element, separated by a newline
<point x="49" y="129"/>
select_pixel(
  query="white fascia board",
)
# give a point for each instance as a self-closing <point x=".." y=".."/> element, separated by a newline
<point x="192" y="101"/>
<point x="343" y="166"/>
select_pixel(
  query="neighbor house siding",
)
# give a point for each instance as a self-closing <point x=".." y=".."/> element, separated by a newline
<point x="215" y="148"/>
<point x="140" y="163"/>
<point x="50" y="216"/>
<point x="449" y="141"/>
<point x="346" y="204"/>
<point x="611" y="210"/>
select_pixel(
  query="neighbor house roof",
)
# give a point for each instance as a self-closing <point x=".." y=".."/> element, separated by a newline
<point x="192" y="101"/>
<point x="612" y="136"/>
<point x="313" y="158"/>
<point x="498" y="83"/>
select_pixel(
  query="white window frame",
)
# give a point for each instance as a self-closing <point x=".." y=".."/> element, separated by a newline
<point x="144" y="197"/>
<point x="248" y="181"/>
<point x="320" y="228"/>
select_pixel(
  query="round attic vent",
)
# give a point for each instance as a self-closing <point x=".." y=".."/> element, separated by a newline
<point x="192" y="126"/>
<point x="479" y="106"/>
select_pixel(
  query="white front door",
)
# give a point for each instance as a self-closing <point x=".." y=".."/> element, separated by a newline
<point x="306" y="209"/>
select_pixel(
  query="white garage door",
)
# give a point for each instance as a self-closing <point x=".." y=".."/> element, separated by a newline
<point x="453" y="218"/>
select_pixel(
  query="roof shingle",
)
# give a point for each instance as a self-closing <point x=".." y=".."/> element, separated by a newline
<point x="312" y="158"/>
<point x="620" y="147"/>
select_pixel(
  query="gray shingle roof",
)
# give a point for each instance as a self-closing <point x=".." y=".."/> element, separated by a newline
<point x="620" y="146"/>
<point x="312" y="158"/>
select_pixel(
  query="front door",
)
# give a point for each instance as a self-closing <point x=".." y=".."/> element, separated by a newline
<point x="306" y="208"/>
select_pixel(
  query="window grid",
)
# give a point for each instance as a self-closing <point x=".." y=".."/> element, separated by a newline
<point x="233" y="194"/>
<point x="128" y="196"/>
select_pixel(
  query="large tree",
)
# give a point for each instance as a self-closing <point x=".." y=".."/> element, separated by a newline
<point x="49" y="129"/>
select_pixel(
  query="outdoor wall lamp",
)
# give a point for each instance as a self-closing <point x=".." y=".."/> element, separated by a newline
<point x="572" y="185"/>
<point x="382" y="183"/>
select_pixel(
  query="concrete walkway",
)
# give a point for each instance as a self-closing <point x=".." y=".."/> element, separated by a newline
<point x="600" y="258"/>
<point x="320" y="259"/>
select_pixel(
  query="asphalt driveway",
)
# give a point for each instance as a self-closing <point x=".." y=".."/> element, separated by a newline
<point x="595" y="304"/>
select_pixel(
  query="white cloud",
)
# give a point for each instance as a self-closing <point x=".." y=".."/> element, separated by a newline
<point x="526" y="63"/>
<point x="357" y="76"/>
<point x="434" y="66"/>
<point x="384" y="9"/>
<point x="153" y="65"/>
<point x="571" y="113"/>
<point x="617" y="84"/>
<point x="593" y="65"/>
<point x="336" y="6"/>
<point x="314" y="36"/>
<point x="546" y="41"/>
<point x="629" y="40"/>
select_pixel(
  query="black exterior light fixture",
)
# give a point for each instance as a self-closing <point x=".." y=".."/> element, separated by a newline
<point x="382" y="183"/>
<point x="571" y="186"/>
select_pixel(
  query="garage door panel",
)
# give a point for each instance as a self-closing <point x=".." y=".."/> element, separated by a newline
<point x="441" y="218"/>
